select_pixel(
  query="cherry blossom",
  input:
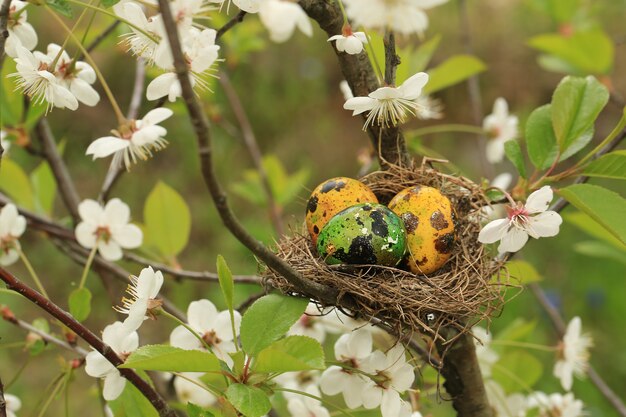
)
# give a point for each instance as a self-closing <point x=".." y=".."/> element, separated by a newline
<point x="556" y="405"/>
<point x="189" y="389"/>
<point x="303" y="406"/>
<point x="513" y="405"/>
<point x="573" y="354"/>
<point x="388" y="106"/>
<point x="532" y="219"/>
<point x="138" y="40"/>
<point x="123" y="341"/>
<point x="282" y="17"/>
<point x="297" y="381"/>
<point x="501" y="127"/>
<point x="349" y="42"/>
<point x="107" y="228"/>
<point x="12" y="404"/>
<point x="314" y="323"/>
<point x="12" y="226"/>
<point x="142" y="303"/>
<point x="21" y="33"/>
<point x="486" y="356"/>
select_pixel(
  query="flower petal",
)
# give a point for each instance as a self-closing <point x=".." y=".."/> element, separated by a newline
<point x="513" y="240"/>
<point x="156" y="116"/>
<point x="111" y="250"/>
<point x="105" y="146"/>
<point x="539" y="200"/>
<point x="160" y="86"/>
<point x="128" y="236"/>
<point x="493" y="231"/>
<point x="86" y="234"/>
<point x="359" y="104"/>
<point x="114" y="384"/>
<point x="201" y="315"/>
<point x="412" y="87"/>
<point x="544" y="224"/>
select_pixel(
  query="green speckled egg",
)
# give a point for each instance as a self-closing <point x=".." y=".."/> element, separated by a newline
<point x="332" y="196"/>
<point x="364" y="234"/>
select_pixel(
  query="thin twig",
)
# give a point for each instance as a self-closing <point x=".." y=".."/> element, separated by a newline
<point x="249" y="139"/>
<point x="4" y="33"/>
<point x="3" y="403"/>
<point x="392" y="60"/>
<point x="94" y="44"/>
<point x="94" y="341"/>
<point x="238" y="18"/>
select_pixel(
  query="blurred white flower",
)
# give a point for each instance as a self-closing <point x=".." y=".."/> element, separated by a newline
<point x="403" y="16"/>
<point x="514" y="405"/>
<point x="12" y="226"/>
<point x="189" y="389"/>
<point x="142" y="303"/>
<point x="345" y="89"/>
<point x="281" y="17"/>
<point x="428" y="108"/>
<point x="388" y="106"/>
<point x="35" y="80"/>
<point x="215" y="329"/>
<point x="313" y="323"/>
<point x="486" y="356"/>
<point x="532" y="219"/>
<point x="13" y="404"/>
<point x="6" y="145"/>
<point x="393" y="376"/>
<point x="250" y="6"/>
<point x="136" y="140"/>
<point x="107" y="228"/>
<point x="556" y="405"/>
<point x="500" y="127"/>
<point x="573" y="354"/>
<point x="123" y="341"/>
<point x="303" y="406"/>
<point x="297" y="381"/>
<point x="21" y="33"/>
<point x="137" y="40"/>
<point x="349" y="42"/>
<point x="352" y="349"/>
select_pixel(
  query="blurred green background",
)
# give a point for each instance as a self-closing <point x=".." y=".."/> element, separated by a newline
<point x="290" y="92"/>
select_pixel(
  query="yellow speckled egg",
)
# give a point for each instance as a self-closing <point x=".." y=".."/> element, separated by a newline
<point x="331" y="197"/>
<point x="429" y="220"/>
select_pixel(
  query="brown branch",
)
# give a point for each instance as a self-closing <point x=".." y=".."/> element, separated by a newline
<point x="4" y="34"/>
<point x="359" y="74"/>
<point x="3" y="403"/>
<point x="238" y="18"/>
<point x="94" y="341"/>
<point x="392" y="60"/>
<point x="249" y="138"/>
<point x="201" y="127"/>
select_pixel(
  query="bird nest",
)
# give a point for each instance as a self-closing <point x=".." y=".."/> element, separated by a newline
<point x="468" y="288"/>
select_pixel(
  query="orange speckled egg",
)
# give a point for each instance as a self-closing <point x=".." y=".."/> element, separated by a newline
<point x="429" y="219"/>
<point x="331" y="197"/>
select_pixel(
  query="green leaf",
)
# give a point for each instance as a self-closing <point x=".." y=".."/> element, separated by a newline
<point x="452" y="71"/>
<point x="293" y="353"/>
<point x="109" y="3"/>
<point x="540" y="139"/>
<point x="132" y="403"/>
<point x="520" y="368"/>
<point x="268" y="319"/>
<point x="523" y="271"/>
<point x="80" y="303"/>
<point x="415" y="60"/>
<point x="611" y="165"/>
<point x="196" y="411"/>
<point x="249" y="401"/>
<point x="44" y="187"/>
<point x="10" y="100"/>
<point x="171" y="359"/>
<point x="514" y="154"/>
<point x="588" y="225"/>
<point x="61" y="6"/>
<point x="590" y="51"/>
<point x="517" y="330"/>
<point x="168" y="220"/>
<point x="226" y="281"/>
<point x="14" y="182"/>
<point x="602" y="250"/>
<point x="576" y="104"/>
<point x="604" y="206"/>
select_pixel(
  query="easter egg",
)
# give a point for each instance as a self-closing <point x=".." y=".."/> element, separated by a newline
<point x="332" y="196"/>
<point x="429" y="220"/>
<point x="368" y="234"/>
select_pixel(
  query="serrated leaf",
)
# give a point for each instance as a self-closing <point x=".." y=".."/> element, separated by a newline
<point x="80" y="303"/>
<point x="62" y="7"/>
<point x="540" y="139"/>
<point x="168" y="219"/>
<point x="249" y="401"/>
<point x="132" y="403"/>
<point x="196" y="411"/>
<point x="452" y="71"/>
<point x="293" y="353"/>
<point x="225" y="278"/>
<point x="514" y="154"/>
<point x="172" y="359"/>
<point x="15" y="183"/>
<point x="604" y="206"/>
<point x="521" y="367"/>
<point x="524" y="272"/>
<point x="44" y="188"/>
<point x="611" y="165"/>
<point x="269" y="319"/>
<point x="576" y="104"/>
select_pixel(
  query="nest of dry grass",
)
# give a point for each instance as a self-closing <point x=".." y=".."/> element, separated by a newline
<point x="461" y="293"/>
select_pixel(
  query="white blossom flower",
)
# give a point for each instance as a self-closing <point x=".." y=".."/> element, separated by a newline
<point x="574" y="354"/>
<point x="303" y="406"/>
<point x="142" y="302"/>
<point x="135" y="140"/>
<point x="281" y="17"/>
<point x="503" y="405"/>
<point x="200" y="53"/>
<point x="388" y="106"/>
<point x="530" y="219"/>
<point x="428" y="108"/>
<point x="486" y="356"/>
<point x="12" y="404"/>
<point x="393" y="376"/>
<point x="144" y="31"/>
<point x="107" y="228"/>
<point x="12" y="226"/>
<point x="123" y="341"/>
<point x="403" y="16"/>
<point x="501" y="127"/>
<point x="215" y="328"/>
<point x="352" y="349"/>
<point x="35" y="80"/>
<point x="21" y="33"/>
<point x="313" y="323"/>
<point x="349" y="42"/>
<point x="297" y="381"/>
<point x="189" y="389"/>
<point x="345" y="89"/>
<point x="6" y="145"/>
<point x="556" y="405"/>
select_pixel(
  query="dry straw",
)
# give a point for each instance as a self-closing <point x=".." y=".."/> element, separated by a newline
<point x="469" y="287"/>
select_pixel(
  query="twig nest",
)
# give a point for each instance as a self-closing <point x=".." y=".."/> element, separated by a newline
<point x="466" y="289"/>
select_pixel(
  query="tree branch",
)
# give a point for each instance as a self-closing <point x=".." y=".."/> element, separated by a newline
<point x="94" y="341"/>
<point x="3" y="403"/>
<point x="392" y="60"/>
<point x="238" y="18"/>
